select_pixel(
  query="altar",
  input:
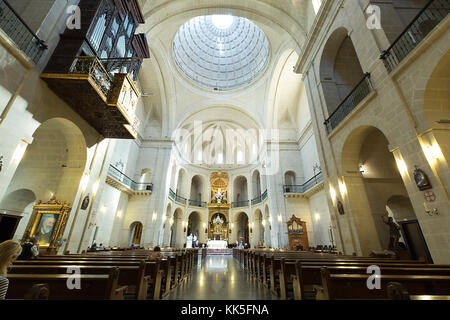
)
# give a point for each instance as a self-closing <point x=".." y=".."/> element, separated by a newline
<point x="217" y="244"/>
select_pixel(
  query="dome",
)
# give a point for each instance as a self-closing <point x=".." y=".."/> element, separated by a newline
<point x="221" y="52"/>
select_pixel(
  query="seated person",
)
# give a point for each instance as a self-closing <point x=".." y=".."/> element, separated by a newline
<point x="9" y="252"/>
<point x="93" y="248"/>
<point x="29" y="250"/>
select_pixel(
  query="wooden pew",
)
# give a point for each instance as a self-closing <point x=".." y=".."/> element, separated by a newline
<point x="354" y="286"/>
<point x="305" y="278"/>
<point x="137" y="274"/>
<point x="93" y="287"/>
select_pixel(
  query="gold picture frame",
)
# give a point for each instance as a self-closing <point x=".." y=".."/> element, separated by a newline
<point x="48" y="223"/>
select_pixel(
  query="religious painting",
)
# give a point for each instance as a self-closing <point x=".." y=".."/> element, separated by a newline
<point x="421" y="179"/>
<point x="46" y="227"/>
<point x="47" y="223"/>
<point x="85" y="203"/>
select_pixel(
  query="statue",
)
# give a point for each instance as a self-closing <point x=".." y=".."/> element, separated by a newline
<point x="394" y="233"/>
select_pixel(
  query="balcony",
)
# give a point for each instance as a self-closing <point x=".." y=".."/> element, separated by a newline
<point x="353" y="99"/>
<point x="196" y="203"/>
<point x="240" y="204"/>
<point x="122" y="182"/>
<point x="18" y="31"/>
<point x="431" y="15"/>
<point x="305" y="189"/>
<point x="259" y="199"/>
<point x="102" y="92"/>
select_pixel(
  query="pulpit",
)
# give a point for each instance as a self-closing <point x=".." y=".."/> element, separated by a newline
<point x="297" y="234"/>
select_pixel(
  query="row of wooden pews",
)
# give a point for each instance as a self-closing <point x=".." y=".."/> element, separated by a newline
<point x="106" y="275"/>
<point x="307" y="275"/>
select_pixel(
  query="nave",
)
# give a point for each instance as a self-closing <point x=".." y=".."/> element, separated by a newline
<point x="219" y="277"/>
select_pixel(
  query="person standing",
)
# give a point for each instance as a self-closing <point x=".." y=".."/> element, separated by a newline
<point x="9" y="251"/>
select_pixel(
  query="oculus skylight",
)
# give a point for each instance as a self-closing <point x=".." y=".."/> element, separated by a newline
<point x="221" y="52"/>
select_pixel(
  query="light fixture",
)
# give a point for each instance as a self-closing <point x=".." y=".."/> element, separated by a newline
<point x="280" y="218"/>
<point x="84" y="181"/>
<point x="317" y="216"/>
<point x="103" y="209"/>
<point x="342" y="188"/>
<point x="333" y="194"/>
<point x="263" y="222"/>
<point x="362" y="169"/>
<point x="95" y="187"/>
<point x="435" y="151"/>
<point x="401" y="165"/>
<point x="171" y="221"/>
<point x="154" y="216"/>
<point x="119" y="213"/>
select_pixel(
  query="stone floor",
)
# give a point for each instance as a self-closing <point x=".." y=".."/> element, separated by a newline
<point x="220" y="278"/>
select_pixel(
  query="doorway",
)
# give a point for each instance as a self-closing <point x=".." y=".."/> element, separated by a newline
<point x="415" y="241"/>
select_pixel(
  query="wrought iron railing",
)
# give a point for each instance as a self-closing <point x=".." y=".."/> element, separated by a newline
<point x="264" y="195"/>
<point x="240" y="204"/>
<point x="122" y="65"/>
<point x="117" y="175"/>
<point x="180" y="199"/>
<point x="19" y="32"/>
<point x="171" y="194"/>
<point x="318" y="178"/>
<point x="427" y="19"/>
<point x="259" y="198"/>
<point x="93" y="67"/>
<point x="353" y="99"/>
<point x="196" y="203"/>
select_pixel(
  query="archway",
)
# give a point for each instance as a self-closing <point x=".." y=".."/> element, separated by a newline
<point x="16" y="205"/>
<point x="340" y="69"/>
<point x="370" y="179"/>
<point x="240" y="190"/>
<point x="197" y="194"/>
<point x="194" y="224"/>
<point x="259" y="228"/>
<point x="181" y="188"/>
<point x="289" y="178"/>
<point x="166" y="227"/>
<point x="135" y="234"/>
<point x="268" y="228"/>
<point x="401" y="210"/>
<point x="242" y="228"/>
<point x="256" y="184"/>
<point x="177" y="231"/>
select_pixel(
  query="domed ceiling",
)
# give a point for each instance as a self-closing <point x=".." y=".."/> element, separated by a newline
<point x="221" y="52"/>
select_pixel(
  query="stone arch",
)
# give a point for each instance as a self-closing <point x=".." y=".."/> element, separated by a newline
<point x="240" y="189"/>
<point x="181" y="183"/>
<point x="371" y="178"/>
<point x="194" y="224"/>
<point x="177" y="232"/>
<point x="256" y="184"/>
<point x="135" y="233"/>
<point x="197" y="189"/>
<point x="259" y="228"/>
<point x="242" y="227"/>
<point x="290" y="178"/>
<point x="53" y="164"/>
<point x="340" y="69"/>
<point x="146" y="176"/>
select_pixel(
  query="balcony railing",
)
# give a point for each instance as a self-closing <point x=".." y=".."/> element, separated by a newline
<point x="196" y="203"/>
<point x="122" y="65"/>
<point x="259" y="199"/>
<point x="428" y="18"/>
<point x="125" y="180"/>
<point x="353" y="99"/>
<point x="180" y="199"/>
<point x="240" y="204"/>
<point x="171" y="194"/>
<point x="300" y="189"/>
<point x="92" y="66"/>
<point x="13" y="25"/>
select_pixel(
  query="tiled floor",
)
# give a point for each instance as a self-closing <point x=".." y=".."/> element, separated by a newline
<point x="220" y="278"/>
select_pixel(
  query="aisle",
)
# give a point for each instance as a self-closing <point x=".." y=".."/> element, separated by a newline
<point x="220" y="278"/>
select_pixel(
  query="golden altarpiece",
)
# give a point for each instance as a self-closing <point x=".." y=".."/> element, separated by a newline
<point x="47" y="223"/>
<point x="219" y="207"/>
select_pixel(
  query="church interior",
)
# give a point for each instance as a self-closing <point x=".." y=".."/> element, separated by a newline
<point x="224" y="150"/>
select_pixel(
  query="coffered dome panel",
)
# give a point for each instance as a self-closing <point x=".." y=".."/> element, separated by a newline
<point x="220" y="52"/>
